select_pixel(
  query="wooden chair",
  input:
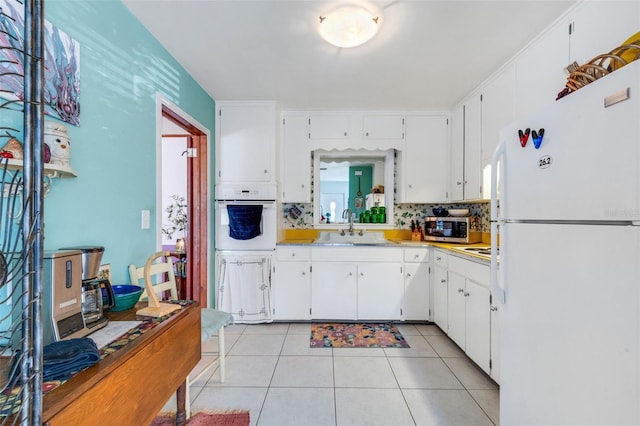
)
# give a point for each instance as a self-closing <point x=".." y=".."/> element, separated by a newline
<point x="213" y="321"/>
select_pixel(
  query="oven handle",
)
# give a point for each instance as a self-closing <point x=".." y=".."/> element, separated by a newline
<point x="263" y="203"/>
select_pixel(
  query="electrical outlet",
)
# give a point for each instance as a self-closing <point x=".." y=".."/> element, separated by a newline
<point x="145" y="219"/>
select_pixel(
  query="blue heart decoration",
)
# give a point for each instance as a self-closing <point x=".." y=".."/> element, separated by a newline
<point x="537" y="138"/>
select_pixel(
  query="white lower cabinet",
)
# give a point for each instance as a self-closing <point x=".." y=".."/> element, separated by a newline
<point x="469" y="314"/>
<point x="416" y="284"/>
<point x="495" y="340"/>
<point x="439" y="278"/>
<point x="380" y="290"/>
<point x="291" y="284"/>
<point x="356" y="283"/>
<point x="334" y="290"/>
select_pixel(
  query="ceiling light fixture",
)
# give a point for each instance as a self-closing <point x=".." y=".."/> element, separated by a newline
<point x="349" y="26"/>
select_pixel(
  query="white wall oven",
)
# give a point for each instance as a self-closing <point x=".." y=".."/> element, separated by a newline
<point x="245" y="237"/>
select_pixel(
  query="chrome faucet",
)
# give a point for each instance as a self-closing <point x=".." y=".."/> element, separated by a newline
<point x="348" y="214"/>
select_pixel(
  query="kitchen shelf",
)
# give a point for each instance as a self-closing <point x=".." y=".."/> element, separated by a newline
<point x="50" y="172"/>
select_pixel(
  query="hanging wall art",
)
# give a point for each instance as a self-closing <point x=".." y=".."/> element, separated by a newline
<point x="61" y="65"/>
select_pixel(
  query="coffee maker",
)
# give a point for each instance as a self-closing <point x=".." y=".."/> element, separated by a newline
<point x="92" y="303"/>
<point x="62" y="295"/>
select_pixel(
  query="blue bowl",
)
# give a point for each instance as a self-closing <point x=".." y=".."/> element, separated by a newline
<point x="126" y="296"/>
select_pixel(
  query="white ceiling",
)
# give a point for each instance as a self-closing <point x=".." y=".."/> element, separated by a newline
<point x="428" y="54"/>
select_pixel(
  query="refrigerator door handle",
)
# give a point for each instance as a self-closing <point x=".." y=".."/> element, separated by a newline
<point x="498" y="156"/>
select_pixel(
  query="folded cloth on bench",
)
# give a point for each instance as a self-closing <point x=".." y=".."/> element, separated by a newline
<point x="61" y="360"/>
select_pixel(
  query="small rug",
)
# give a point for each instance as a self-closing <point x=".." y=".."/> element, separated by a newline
<point x="360" y="335"/>
<point x="213" y="418"/>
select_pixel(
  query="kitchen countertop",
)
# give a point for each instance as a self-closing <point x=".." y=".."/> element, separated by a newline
<point x="396" y="238"/>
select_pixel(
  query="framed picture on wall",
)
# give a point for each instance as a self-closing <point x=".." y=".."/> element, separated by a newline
<point x="104" y="272"/>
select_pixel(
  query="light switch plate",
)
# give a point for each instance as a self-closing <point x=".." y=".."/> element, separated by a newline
<point x="145" y="219"/>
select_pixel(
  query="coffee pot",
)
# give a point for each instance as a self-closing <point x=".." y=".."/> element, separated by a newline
<point x="92" y="304"/>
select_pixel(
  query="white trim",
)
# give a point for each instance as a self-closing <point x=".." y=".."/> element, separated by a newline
<point x="162" y="100"/>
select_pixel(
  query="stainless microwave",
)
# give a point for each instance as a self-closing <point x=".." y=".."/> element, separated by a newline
<point x="451" y="230"/>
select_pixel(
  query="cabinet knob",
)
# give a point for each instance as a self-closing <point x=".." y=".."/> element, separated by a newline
<point x="438" y="258"/>
<point x="366" y="134"/>
<point x="293" y="255"/>
<point x="345" y="133"/>
<point x="304" y="273"/>
<point x="416" y="256"/>
<point x="350" y="274"/>
<point x="408" y="274"/>
<point x="410" y="186"/>
<point x="362" y="274"/>
<point x="265" y="170"/>
<point x="443" y="281"/>
<point x="494" y="308"/>
<point x="302" y="186"/>
<point x="461" y="290"/>
<point x="466" y="294"/>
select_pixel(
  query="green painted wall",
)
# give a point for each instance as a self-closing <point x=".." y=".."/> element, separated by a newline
<point x="365" y="184"/>
<point x="114" y="148"/>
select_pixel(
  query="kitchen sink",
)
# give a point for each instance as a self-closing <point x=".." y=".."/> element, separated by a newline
<point x="336" y="237"/>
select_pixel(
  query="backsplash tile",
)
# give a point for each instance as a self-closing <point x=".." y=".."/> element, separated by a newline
<point x="403" y="214"/>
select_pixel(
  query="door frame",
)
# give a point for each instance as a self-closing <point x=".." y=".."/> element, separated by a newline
<point x="198" y="184"/>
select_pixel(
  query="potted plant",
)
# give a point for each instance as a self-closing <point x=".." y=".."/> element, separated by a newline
<point x="177" y="217"/>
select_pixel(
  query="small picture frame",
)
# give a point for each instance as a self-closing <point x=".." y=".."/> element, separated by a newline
<point x="359" y="203"/>
<point x="104" y="272"/>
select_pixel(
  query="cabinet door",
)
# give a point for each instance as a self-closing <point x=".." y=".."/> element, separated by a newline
<point x="246" y="143"/>
<point x="333" y="291"/>
<point x="478" y="324"/>
<point x="329" y="126"/>
<point x="456" y="308"/>
<point x="440" y="296"/>
<point x="588" y="19"/>
<point x="291" y="291"/>
<point x="424" y="165"/>
<point x="296" y="160"/>
<point x="539" y="81"/>
<point x="456" y="155"/>
<point x="495" y="340"/>
<point x="416" y="292"/>
<point x="498" y="105"/>
<point x="380" y="291"/>
<point x="383" y="126"/>
<point x="472" y="147"/>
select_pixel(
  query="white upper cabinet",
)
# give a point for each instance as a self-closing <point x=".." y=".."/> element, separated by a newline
<point x="612" y="21"/>
<point x="456" y="155"/>
<point x="295" y="167"/>
<point x="245" y="142"/>
<point x="383" y="126"/>
<point x="472" y="148"/>
<point x="539" y="71"/>
<point x="423" y="165"/>
<point x="465" y="177"/>
<point x="591" y="29"/>
<point x="329" y="126"/>
<point x="498" y="104"/>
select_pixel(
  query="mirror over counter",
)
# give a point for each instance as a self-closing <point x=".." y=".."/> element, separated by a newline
<point x="358" y="180"/>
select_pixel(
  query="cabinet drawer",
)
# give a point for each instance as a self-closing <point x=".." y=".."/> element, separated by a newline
<point x="416" y="255"/>
<point x="356" y="254"/>
<point x="440" y="258"/>
<point x="469" y="269"/>
<point x="301" y="254"/>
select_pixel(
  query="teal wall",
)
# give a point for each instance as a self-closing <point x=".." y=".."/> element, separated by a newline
<point x="122" y="67"/>
<point x="365" y="184"/>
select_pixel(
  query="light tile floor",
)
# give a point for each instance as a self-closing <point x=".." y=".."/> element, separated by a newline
<point x="272" y="371"/>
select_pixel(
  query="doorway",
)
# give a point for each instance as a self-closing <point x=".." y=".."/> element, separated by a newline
<point x="193" y="141"/>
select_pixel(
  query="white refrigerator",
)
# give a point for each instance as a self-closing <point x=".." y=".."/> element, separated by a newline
<point x="567" y="275"/>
